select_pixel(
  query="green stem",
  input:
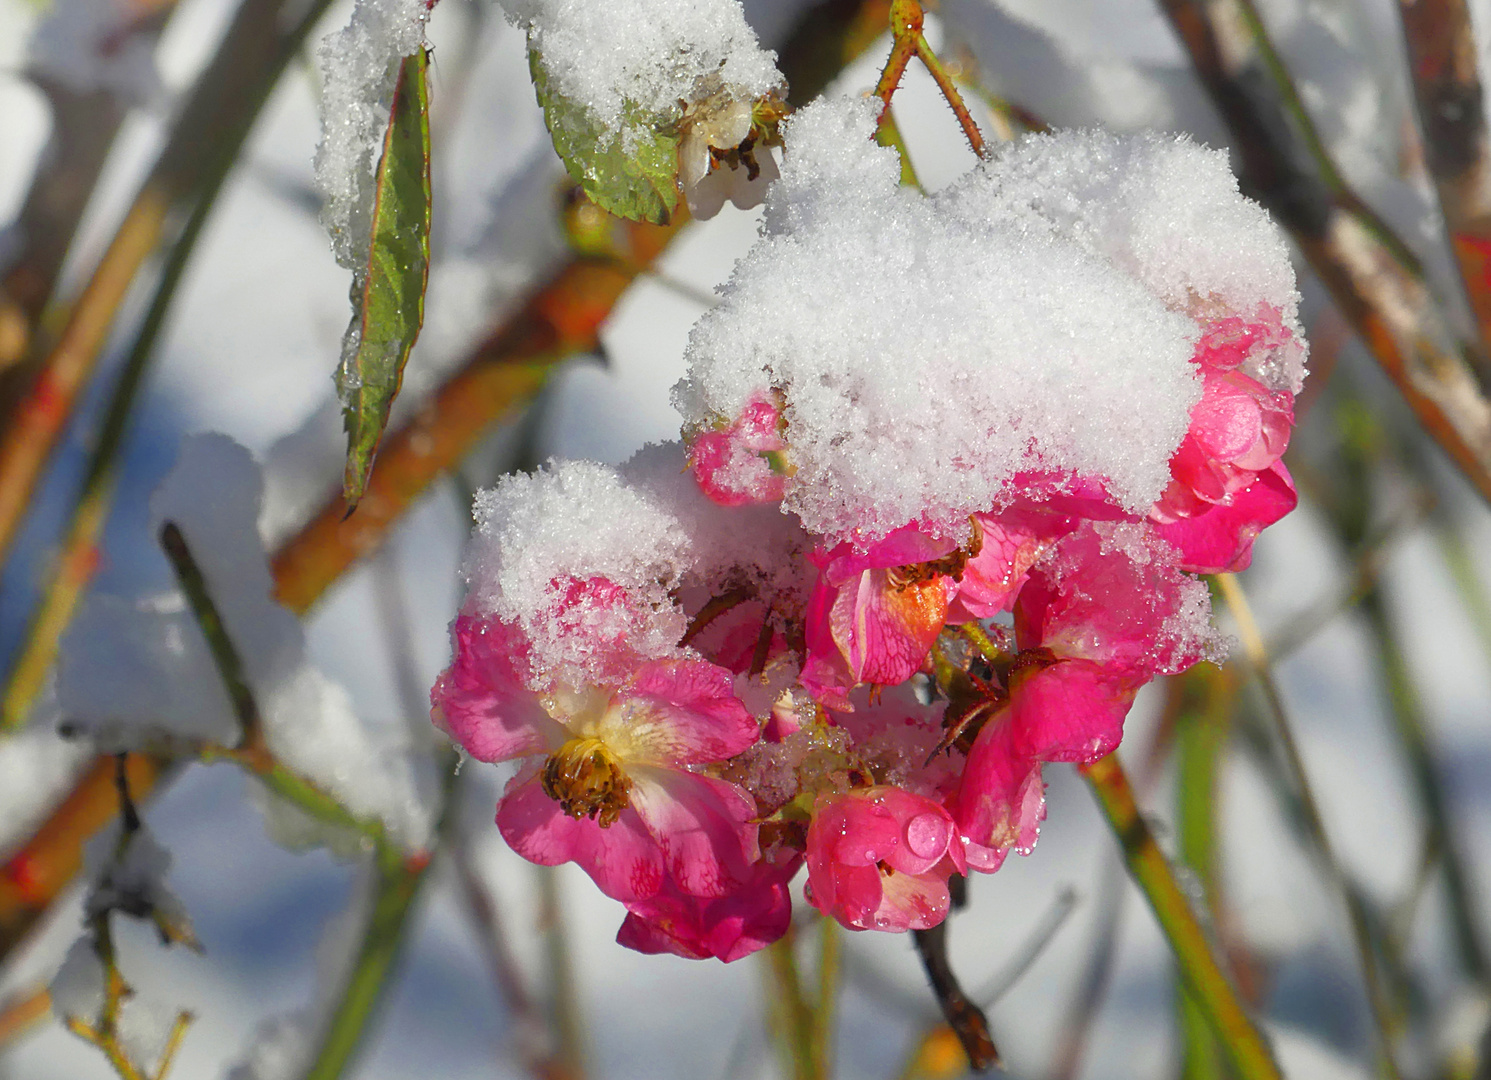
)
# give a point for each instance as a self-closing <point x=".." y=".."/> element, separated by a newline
<point x="1310" y="817"/>
<point x="395" y="890"/>
<point x="1200" y="970"/>
<point x="224" y="654"/>
<point x="569" y="1026"/>
<point x="1413" y="737"/>
<point x="828" y="990"/>
<point x="791" y="1014"/>
<point x="1201" y="741"/>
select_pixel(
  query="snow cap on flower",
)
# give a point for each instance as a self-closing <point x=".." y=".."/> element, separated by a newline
<point x="1163" y="209"/>
<point x="579" y="563"/>
<point x="932" y="351"/>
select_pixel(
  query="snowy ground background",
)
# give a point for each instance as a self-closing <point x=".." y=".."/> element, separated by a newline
<point x="250" y="350"/>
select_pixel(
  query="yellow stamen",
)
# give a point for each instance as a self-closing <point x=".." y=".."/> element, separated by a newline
<point x="587" y="780"/>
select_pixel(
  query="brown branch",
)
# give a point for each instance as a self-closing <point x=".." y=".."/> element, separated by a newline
<point x="965" y="1017"/>
<point x="1373" y="278"/>
<point x="216" y="117"/>
<point x="1457" y="153"/>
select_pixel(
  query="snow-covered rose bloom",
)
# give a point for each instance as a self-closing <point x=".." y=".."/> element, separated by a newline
<point x="951" y="465"/>
<point x="606" y="782"/>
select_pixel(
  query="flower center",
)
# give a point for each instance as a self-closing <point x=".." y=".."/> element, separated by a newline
<point x="587" y="780"/>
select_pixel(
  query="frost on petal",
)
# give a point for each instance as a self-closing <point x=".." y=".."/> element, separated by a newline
<point x="482" y="700"/>
<point x="1033" y="352"/>
<point x="623" y="859"/>
<point x="579" y="562"/>
<point x="703" y="825"/>
<point x="741" y="462"/>
<point x="1114" y="594"/>
<point x="728" y="927"/>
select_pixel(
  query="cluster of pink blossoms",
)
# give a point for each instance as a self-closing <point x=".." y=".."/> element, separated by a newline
<point x="703" y="695"/>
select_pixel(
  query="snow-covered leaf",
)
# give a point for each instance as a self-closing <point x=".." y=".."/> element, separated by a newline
<point x="388" y="293"/>
<point x="640" y="182"/>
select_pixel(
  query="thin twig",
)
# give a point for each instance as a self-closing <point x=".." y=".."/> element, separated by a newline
<point x="210" y="620"/>
<point x="23" y="1012"/>
<point x="1200" y="970"/>
<point x="1373" y="277"/>
<point x="1457" y="153"/>
<point x="531" y="1030"/>
<point x="965" y="1017"/>
<point x="1254" y="648"/>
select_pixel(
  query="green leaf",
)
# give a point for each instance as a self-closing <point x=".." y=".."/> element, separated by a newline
<point x="388" y="295"/>
<point x="642" y="185"/>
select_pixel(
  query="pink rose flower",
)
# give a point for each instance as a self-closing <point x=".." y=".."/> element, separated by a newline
<point x="873" y="617"/>
<point x="743" y="462"/>
<point x="879" y="858"/>
<point x="609" y="786"/>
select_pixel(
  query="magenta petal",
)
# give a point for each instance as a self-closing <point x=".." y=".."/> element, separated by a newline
<point x="684" y="712"/>
<point x="884" y="631"/>
<point x="825" y="672"/>
<point x="623" y="859"/>
<point x="1071" y="711"/>
<point x="1220" y="538"/>
<point x="726" y="928"/>
<point x="912" y="902"/>
<point x="482" y="702"/>
<point x="1001" y="799"/>
<point x="993" y="577"/>
<point x="703" y="826"/>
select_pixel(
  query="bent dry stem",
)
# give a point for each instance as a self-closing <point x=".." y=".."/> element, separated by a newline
<point x="1211" y="989"/>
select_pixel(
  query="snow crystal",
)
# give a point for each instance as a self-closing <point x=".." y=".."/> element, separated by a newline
<point x="753" y="545"/>
<point x="929" y="354"/>
<point x="1163" y="209"/>
<point x="581" y="556"/>
<point x="359" y="68"/>
<point x="134" y="672"/>
<point x="78" y="987"/>
<point x="622" y="58"/>
<point x="552" y="549"/>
